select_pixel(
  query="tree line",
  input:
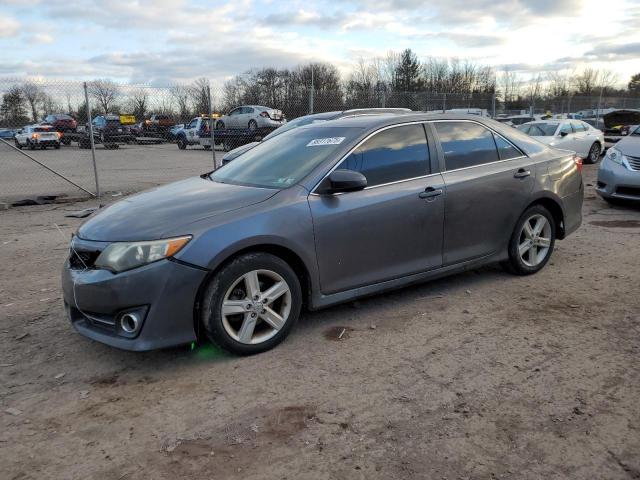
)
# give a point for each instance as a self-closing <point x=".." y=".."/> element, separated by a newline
<point x="399" y="79"/>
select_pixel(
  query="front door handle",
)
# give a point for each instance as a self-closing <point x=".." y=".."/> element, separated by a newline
<point x="430" y="192"/>
<point x="522" y="173"/>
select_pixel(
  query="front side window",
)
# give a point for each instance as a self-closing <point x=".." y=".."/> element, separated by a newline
<point x="394" y="154"/>
<point x="578" y="127"/>
<point x="235" y="112"/>
<point x="466" y="144"/>
<point x="565" y="128"/>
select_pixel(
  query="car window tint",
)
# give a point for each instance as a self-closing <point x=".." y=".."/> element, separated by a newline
<point x="466" y="144"/>
<point x="394" y="154"/>
<point x="506" y="151"/>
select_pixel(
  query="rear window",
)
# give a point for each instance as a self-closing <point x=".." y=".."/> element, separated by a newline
<point x="466" y="144"/>
<point x="41" y="129"/>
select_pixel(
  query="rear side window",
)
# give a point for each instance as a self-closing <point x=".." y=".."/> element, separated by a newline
<point x="506" y="151"/>
<point x="579" y="127"/>
<point x="565" y="128"/>
<point x="466" y="144"/>
<point x="394" y="154"/>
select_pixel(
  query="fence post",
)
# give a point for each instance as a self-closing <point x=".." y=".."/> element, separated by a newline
<point x="93" y="145"/>
<point x="444" y="103"/>
<point x="212" y="128"/>
<point x="493" y="105"/>
<point x="311" y="92"/>
<point x="384" y="99"/>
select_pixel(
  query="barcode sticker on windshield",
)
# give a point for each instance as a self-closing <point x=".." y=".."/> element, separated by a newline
<point x="325" y="141"/>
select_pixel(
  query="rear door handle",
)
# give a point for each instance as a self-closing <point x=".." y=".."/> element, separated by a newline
<point x="430" y="192"/>
<point x="521" y="173"/>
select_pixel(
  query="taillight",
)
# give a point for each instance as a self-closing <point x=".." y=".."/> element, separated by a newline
<point x="264" y="114"/>
<point x="35" y="135"/>
<point x="59" y="135"/>
<point x="578" y="161"/>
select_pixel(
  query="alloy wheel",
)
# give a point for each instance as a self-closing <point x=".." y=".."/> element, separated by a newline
<point x="535" y="240"/>
<point x="594" y="153"/>
<point x="256" y="307"/>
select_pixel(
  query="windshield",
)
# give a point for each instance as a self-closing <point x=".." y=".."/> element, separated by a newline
<point x="298" y="122"/>
<point x="636" y="131"/>
<point x="286" y="159"/>
<point x="539" y="129"/>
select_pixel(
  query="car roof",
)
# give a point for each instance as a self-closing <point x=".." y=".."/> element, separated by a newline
<point x="378" y="121"/>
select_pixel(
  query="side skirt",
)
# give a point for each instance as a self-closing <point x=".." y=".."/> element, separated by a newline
<point x="319" y="300"/>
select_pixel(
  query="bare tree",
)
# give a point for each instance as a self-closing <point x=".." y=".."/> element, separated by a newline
<point x="199" y="94"/>
<point x="34" y="96"/>
<point x="139" y="102"/>
<point x="105" y="92"/>
<point x="180" y="95"/>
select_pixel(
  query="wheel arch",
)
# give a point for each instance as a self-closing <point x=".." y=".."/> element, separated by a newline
<point x="555" y="208"/>
<point x="285" y="253"/>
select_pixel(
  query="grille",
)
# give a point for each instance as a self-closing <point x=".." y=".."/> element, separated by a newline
<point x="629" y="191"/>
<point x="634" y="162"/>
<point x="80" y="260"/>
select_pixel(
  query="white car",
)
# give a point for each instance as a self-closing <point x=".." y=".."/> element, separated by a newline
<point x="37" y="136"/>
<point x="252" y="117"/>
<point x="576" y="135"/>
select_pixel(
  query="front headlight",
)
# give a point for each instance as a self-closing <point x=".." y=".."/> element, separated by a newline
<point x="615" y="155"/>
<point x="121" y="256"/>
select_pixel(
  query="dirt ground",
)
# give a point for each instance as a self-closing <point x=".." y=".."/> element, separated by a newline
<point x="481" y="375"/>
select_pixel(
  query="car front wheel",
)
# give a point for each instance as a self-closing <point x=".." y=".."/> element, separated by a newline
<point x="594" y="153"/>
<point x="252" y="304"/>
<point x="532" y="241"/>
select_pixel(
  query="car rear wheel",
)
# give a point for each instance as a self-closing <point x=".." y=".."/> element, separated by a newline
<point x="253" y="125"/>
<point x="594" y="153"/>
<point x="226" y="145"/>
<point x="182" y="143"/>
<point x="532" y="241"/>
<point x="252" y="304"/>
<point x="57" y="146"/>
<point x="219" y="125"/>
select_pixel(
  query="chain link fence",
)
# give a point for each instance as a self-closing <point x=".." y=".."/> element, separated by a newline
<point x="135" y="127"/>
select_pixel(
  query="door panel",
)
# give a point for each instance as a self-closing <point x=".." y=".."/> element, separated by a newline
<point x="482" y="206"/>
<point x="378" y="233"/>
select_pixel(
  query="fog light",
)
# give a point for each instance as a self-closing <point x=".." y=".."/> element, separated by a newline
<point x="130" y="322"/>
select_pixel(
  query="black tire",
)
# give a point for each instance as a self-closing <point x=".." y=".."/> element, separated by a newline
<point x="219" y="125"/>
<point x="31" y="145"/>
<point x="65" y="141"/>
<point x="594" y="153"/>
<point x="182" y="143"/>
<point x="57" y="146"/>
<point x="17" y="144"/>
<point x="207" y="147"/>
<point x="213" y="298"/>
<point x="226" y="145"/>
<point x="253" y="125"/>
<point x="516" y="264"/>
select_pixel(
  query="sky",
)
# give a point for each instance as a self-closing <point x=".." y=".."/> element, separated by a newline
<point x="162" y="42"/>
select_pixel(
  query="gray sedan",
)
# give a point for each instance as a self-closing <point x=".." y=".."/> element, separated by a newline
<point x="619" y="173"/>
<point x="319" y="215"/>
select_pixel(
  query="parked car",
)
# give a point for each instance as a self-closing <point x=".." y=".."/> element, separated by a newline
<point x="7" y="133"/>
<point x="576" y="135"/>
<point x="158" y="124"/>
<point x="319" y="215"/>
<point x="37" y="136"/>
<point x="619" y="172"/>
<point x="61" y="122"/>
<point x="313" y="118"/>
<point x="108" y="130"/>
<point x="252" y="117"/>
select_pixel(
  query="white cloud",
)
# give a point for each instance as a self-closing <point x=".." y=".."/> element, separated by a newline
<point x="41" y="38"/>
<point x="9" y="27"/>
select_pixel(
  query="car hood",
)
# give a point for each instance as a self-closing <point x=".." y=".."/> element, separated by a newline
<point x="169" y="210"/>
<point x="629" y="146"/>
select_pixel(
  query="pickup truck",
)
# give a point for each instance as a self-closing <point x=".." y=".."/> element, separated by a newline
<point x="191" y="133"/>
<point x="158" y="123"/>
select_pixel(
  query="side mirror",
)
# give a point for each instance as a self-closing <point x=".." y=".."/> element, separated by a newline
<point x="564" y="134"/>
<point x="341" y="181"/>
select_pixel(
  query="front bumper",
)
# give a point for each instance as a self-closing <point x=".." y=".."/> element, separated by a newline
<point x="164" y="292"/>
<point x="617" y="181"/>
